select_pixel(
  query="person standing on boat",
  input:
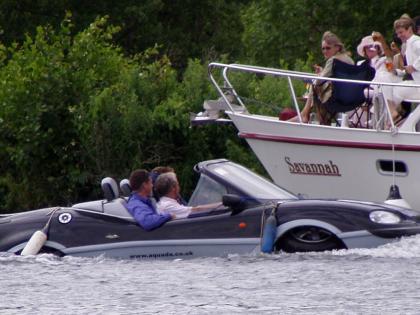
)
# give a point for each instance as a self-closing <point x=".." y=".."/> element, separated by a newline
<point x="332" y="48"/>
<point x="404" y="28"/>
<point x="139" y="203"/>
<point x="394" y="64"/>
<point x="397" y="52"/>
<point x="167" y="189"/>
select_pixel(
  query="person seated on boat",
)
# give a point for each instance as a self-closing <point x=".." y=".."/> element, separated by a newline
<point x="167" y="189"/>
<point x="374" y="49"/>
<point x="397" y="52"/>
<point x="154" y="174"/>
<point x="158" y="170"/>
<point x="372" y="52"/>
<point x="139" y="203"/>
<point x="287" y="113"/>
<point x="404" y="28"/>
<point x="332" y="48"/>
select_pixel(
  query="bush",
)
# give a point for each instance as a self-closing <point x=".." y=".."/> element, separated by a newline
<point x="74" y="109"/>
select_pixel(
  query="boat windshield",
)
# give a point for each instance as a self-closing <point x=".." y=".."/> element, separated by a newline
<point x="249" y="182"/>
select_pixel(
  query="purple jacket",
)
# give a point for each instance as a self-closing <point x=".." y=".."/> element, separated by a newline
<point x="144" y="212"/>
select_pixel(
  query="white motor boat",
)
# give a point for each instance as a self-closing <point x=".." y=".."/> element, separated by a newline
<point x="325" y="161"/>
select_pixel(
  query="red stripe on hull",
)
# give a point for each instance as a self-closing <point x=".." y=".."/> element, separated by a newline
<point x="330" y="143"/>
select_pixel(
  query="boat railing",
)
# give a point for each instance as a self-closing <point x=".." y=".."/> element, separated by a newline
<point x="225" y="69"/>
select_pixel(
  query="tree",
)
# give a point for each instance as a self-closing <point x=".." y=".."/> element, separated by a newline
<point x="74" y="109"/>
<point x="182" y="29"/>
<point x="290" y="30"/>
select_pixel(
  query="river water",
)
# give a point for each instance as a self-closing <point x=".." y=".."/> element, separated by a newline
<point x="385" y="280"/>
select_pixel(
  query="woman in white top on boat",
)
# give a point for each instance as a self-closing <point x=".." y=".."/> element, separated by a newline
<point x="373" y="52"/>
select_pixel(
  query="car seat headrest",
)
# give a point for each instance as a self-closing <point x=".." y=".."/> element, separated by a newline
<point x="125" y="187"/>
<point x="110" y="188"/>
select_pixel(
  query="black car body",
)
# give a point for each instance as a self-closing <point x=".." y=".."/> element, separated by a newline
<point x="104" y="227"/>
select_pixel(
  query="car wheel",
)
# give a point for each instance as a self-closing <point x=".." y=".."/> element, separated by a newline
<point x="309" y="239"/>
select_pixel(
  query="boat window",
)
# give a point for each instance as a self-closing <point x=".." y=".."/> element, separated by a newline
<point x="385" y="167"/>
<point x="249" y="182"/>
<point x="207" y="191"/>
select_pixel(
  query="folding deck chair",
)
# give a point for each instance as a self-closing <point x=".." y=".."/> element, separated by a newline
<point x="345" y="96"/>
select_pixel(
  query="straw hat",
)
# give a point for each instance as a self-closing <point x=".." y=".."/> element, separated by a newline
<point x="368" y="41"/>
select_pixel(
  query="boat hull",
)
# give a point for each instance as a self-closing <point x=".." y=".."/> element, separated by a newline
<point x="330" y="162"/>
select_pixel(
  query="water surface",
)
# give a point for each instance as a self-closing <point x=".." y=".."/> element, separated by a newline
<point x="384" y="280"/>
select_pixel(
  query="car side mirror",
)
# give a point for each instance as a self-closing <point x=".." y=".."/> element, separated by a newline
<point x="234" y="202"/>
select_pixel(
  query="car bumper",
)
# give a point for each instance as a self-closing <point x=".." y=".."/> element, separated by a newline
<point x="397" y="231"/>
<point x="377" y="237"/>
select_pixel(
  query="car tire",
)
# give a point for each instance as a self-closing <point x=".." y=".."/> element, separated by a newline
<point x="309" y="239"/>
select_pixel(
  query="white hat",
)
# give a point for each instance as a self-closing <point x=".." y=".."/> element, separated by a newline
<point x="368" y="41"/>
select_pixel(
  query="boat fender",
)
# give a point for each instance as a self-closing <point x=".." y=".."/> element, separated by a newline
<point x="39" y="238"/>
<point x="35" y="243"/>
<point x="395" y="199"/>
<point x="269" y="233"/>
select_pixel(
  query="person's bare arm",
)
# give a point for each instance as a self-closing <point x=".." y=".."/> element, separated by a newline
<point x="206" y="207"/>
<point x="376" y="36"/>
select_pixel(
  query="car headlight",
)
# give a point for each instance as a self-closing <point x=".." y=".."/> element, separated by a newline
<point x="384" y="217"/>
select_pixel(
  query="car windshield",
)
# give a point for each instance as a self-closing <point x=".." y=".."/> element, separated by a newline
<point x="235" y="179"/>
<point x="249" y="182"/>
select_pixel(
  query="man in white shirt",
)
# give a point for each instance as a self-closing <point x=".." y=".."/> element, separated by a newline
<point x="167" y="189"/>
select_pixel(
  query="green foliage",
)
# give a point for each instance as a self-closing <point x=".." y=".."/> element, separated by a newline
<point x="239" y="152"/>
<point x="70" y="113"/>
<point x="80" y="100"/>
<point x="75" y="109"/>
<point x="33" y="110"/>
<point x="288" y="30"/>
<point x="183" y="29"/>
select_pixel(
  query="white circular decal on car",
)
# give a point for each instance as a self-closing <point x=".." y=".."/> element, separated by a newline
<point x="64" y="218"/>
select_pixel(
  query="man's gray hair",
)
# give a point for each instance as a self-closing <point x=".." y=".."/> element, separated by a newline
<point x="164" y="183"/>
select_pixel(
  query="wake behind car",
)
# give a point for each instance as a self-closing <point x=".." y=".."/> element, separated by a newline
<point x="250" y="204"/>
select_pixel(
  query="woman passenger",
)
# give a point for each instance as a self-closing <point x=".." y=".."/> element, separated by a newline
<point x="372" y="49"/>
<point x="332" y="48"/>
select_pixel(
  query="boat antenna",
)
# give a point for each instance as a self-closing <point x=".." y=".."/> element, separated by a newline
<point x="393" y="161"/>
